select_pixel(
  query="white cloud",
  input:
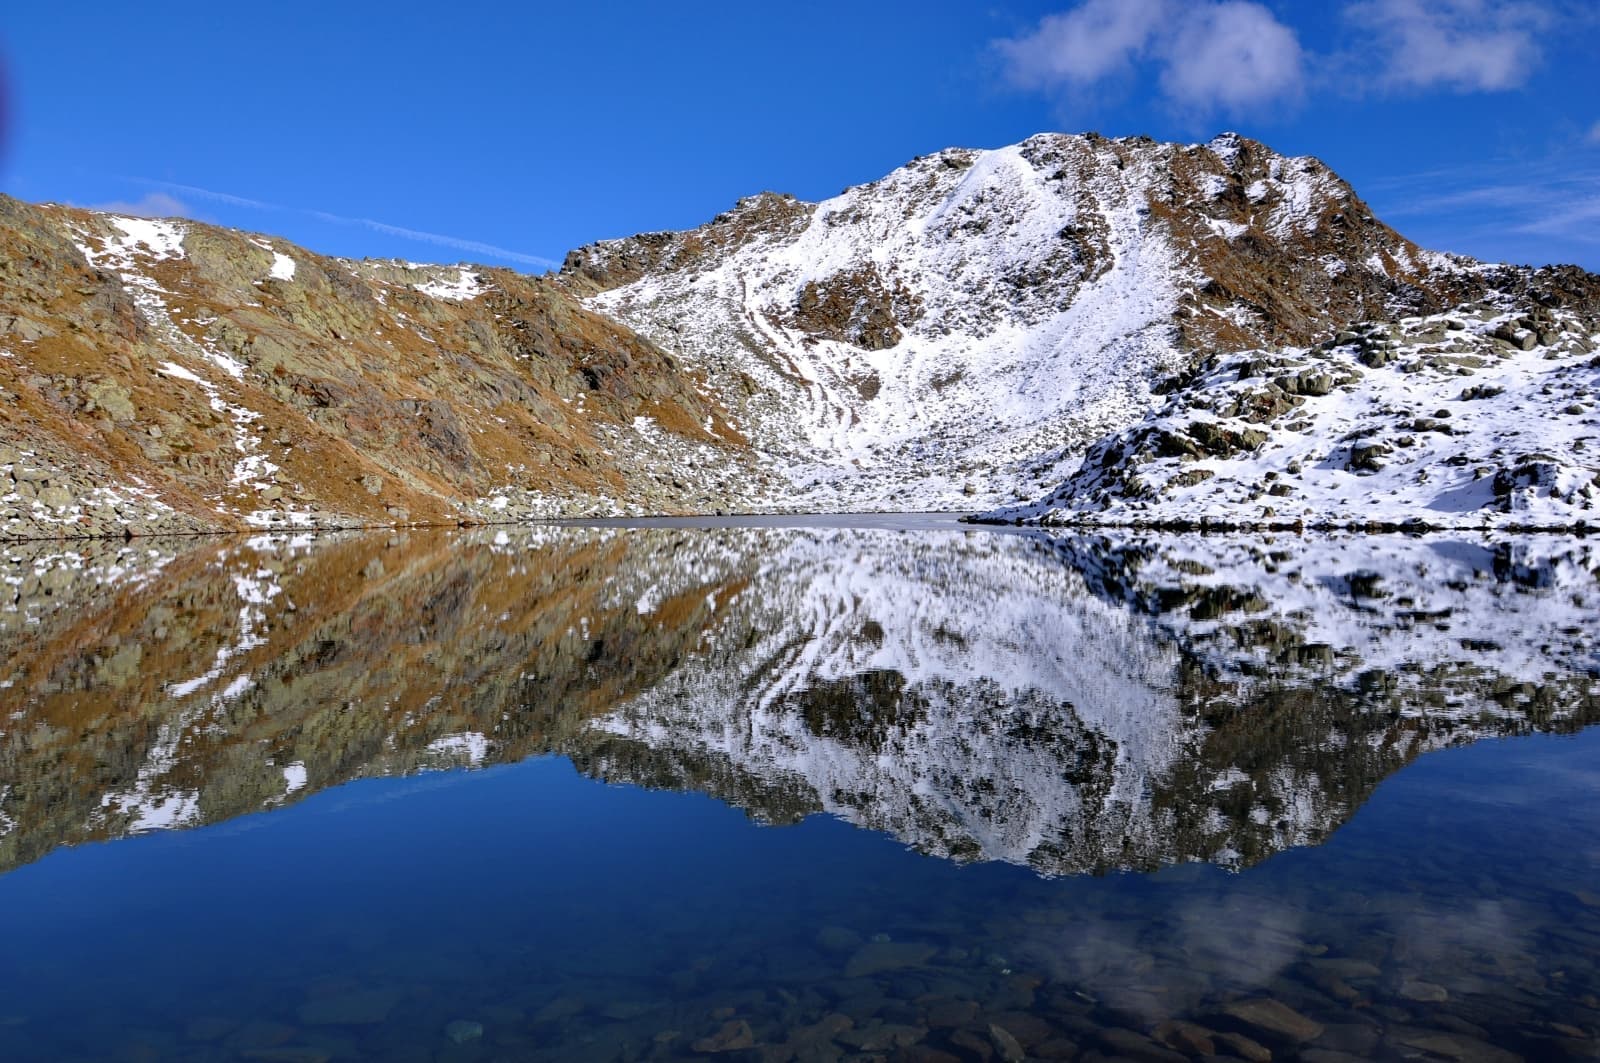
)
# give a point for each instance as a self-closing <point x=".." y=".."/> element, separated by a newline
<point x="151" y="205"/>
<point x="1227" y="56"/>
<point x="1233" y="56"/>
<point x="1465" y="45"/>
<point x="1095" y="40"/>
<point x="1594" y="134"/>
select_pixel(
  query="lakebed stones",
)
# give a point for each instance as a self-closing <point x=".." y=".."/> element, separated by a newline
<point x="881" y="1037"/>
<point x="1006" y="1046"/>
<point x="288" y="1054"/>
<point x="838" y="939"/>
<point x="1244" y="1047"/>
<point x="1129" y="1045"/>
<point x="360" y="1008"/>
<point x="1456" y="1046"/>
<point x="1186" y="1037"/>
<point x="1422" y="991"/>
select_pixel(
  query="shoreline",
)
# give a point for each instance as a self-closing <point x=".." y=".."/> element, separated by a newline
<point x="867" y="519"/>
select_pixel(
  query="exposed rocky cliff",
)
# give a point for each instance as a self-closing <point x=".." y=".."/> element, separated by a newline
<point x="173" y="376"/>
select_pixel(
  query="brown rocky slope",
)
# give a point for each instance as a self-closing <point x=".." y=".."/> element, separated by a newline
<point x="173" y="376"/>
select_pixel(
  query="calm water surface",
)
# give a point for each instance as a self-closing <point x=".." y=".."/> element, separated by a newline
<point x="878" y="790"/>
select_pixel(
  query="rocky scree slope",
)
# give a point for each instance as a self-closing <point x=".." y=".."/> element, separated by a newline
<point x="962" y="330"/>
<point x="160" y="376"/>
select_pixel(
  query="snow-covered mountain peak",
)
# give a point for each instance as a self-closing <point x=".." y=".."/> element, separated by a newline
<point x="968" y="324"/>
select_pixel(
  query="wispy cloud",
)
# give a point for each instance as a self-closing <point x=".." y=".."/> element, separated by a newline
<point x="457" y="243"/>
<point x="150" y="205"/>
<point x="1546" y="204"/>
<point x="1593" y="136"/>
<point x="1462" y="45"/>
<point x="1228" y="56"/>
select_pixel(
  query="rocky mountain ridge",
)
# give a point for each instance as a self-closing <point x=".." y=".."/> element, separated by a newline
<point x="1035" y="330"/>
<point x="1481" y="417"/>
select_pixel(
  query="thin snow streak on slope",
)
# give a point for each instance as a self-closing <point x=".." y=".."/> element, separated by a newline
<point x="282" y="265"/>
<point x="467" y="285"/>
<point x="159" y="241"/>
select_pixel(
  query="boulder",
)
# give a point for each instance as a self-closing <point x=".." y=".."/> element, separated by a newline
<point x="1368" y="457"/>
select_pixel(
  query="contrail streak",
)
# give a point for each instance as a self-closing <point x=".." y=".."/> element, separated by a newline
<point x="438" y="239"/>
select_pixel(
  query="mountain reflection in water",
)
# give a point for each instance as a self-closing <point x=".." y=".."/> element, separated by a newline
<point x="1068" y="703"/>
<point x="1097" y="740"/>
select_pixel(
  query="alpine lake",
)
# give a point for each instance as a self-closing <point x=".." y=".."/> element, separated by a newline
<point x="885" y="788"/>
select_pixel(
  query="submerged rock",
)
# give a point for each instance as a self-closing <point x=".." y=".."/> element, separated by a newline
<point x="733" y="1036"/>
<point x="1272" y="1017"/>
<point x="364" y="1008"/>
<point x="878" y="956"/>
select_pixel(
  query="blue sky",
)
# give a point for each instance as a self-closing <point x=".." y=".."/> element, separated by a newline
<point x="511" y="134"/>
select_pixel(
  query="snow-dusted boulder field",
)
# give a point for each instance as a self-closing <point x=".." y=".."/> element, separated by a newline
<point x="1484" y="418"/>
